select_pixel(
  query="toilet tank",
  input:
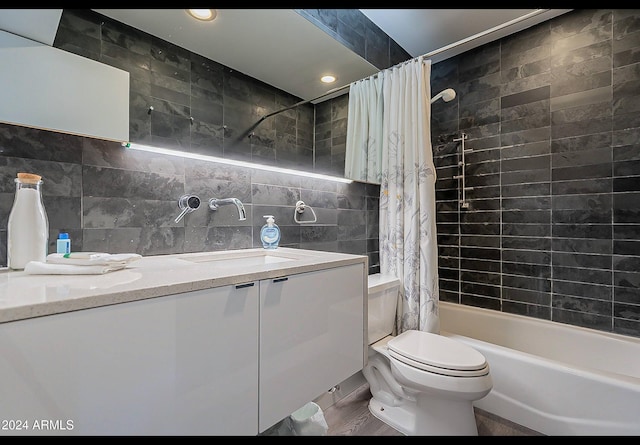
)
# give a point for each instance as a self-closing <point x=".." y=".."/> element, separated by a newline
<point x="382" y="302"/>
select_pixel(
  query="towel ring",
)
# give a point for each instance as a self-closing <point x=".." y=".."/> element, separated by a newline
<point x="300" y="207"/>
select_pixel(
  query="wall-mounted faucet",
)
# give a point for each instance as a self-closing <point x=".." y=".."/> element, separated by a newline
<point x="214" y="203"/>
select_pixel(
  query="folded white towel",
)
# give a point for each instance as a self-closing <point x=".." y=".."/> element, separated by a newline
<point x="92" y="258"/>
<point x="40" y="268"/>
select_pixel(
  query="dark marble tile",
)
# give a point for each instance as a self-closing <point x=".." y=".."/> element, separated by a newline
<point x="31" y="143"/>
<point x="526" y="256"/>
<point x="354" y="246"/>
<point x="202" y="239"/>
<point x="539" y="284"/>
<point x="111" y="182"/>
<point x="479" y="240"/>
<point x="583" y="305"/>
<point x="483" y="302"/>
<point x="115" y="212"/>
<point x="582" y="275"/>
<point x="519" y="242"/>
<point x="486" y="272"/>
<point x="274" y="195"/>
<point x="625" y="263"/>
<point x="142" y="240"/>
<point x="626" y="295"/>
<point x="626" y="327"/>
<point x="480" y="229"/>
<point x="526" y="230"/>
<point x="525" y="176"/>
<point x="581" y="172"/>
<point x="479" y="289"/>
<point x="521" y="190"/>
<point x="627" y="279"/>
<point x="582" y="187"/>
<point x="526" y="216"/>
<point x="528" y="270"/>
<point x="445" y="273"/>
<point x="595" y="202"/>
<point x="581" y="260"/>
<point x="587" y="290"/>
<point x="626" y="207"/>
<point x="283" y="215"/>
<point x="525" y="97"/>
<point x="584" y="245"/>
<point x="631" y="184"/>
<point x="314" y="234"/>
<point x="376" y="46"/>
<point x="526" y="296"/>
<point x="479" y="265"/>
<point x="63" y="212"/>
<point x="598" y="231"/>
<point x="527" y="203"/>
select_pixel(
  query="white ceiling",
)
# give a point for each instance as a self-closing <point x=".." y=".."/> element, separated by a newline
<point x="421" y="31"/>
<point x="283" y="49"/>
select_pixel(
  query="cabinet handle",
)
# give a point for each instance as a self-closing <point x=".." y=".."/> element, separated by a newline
<point x="277" y="280"/>
<point x="240" y="286"/>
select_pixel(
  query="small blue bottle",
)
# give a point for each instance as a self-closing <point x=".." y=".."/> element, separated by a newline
<point x="270" y="233"/>
<point x="64" y="243"/>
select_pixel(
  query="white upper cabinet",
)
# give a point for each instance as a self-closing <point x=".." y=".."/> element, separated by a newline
<point x="51" y="89"/>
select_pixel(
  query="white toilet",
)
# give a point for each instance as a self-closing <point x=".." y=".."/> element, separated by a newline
<point x="422" y="383"/>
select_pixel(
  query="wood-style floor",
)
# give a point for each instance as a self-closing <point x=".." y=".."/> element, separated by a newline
<point x="350" y="416"/>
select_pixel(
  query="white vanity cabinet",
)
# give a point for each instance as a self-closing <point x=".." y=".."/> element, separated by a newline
<point x="223" y="350"/>
<point x="311" y="337"/>
<point x="184" y="364"/>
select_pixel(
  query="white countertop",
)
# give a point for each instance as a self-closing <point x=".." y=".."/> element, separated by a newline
<point x="26" y="296"/>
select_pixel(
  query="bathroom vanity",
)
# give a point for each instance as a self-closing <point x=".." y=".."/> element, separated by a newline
<point x="210" y="343"/>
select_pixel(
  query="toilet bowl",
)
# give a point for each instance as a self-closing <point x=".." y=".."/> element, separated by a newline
<point x="422" y="383"/>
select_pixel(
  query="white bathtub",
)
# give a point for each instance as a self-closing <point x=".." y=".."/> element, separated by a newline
<point x="554" y="378"/>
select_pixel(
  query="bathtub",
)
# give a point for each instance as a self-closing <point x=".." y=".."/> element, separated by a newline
<point x="554" y="378"/>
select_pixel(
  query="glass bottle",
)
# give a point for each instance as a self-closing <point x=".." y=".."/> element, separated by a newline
<point x="28" y="226"/>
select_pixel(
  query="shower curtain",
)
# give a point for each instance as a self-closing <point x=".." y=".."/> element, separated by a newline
<point x="364" y="161"/>
<point x="408" y="244"/>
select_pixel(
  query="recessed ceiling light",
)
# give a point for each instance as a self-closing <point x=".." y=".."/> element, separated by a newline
<point x="328" y="78"/>
<point x="203" y="14"/>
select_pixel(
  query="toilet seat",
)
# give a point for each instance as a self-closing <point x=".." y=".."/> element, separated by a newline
<point x="438" y="354"/>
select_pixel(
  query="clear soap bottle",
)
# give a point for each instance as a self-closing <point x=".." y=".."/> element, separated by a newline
<point x="270" y="233"/>
<point x="28" y="225"/>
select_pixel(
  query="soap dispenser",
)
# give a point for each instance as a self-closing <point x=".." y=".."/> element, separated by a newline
<point x="270" y="233"/>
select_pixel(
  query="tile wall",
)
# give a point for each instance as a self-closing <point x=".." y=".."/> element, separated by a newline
<point x="111" y="199"/>
<point x="552" y="117"/>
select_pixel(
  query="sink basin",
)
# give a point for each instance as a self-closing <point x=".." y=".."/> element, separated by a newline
<point x="238" y="259"/>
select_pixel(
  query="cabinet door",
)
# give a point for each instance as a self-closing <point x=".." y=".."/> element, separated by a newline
<point x="183" y="364"/>
<point x="311" y="337"/>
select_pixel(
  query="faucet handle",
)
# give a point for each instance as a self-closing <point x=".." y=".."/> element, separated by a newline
<point x="188" y="203"/>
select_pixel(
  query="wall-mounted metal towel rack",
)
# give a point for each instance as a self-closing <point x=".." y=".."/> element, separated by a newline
<point x="461" y="177"/>
<point x="300" y="207"/>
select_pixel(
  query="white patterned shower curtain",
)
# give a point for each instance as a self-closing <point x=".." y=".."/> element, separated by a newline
<point x="408" y="243"/>
<point x="363" y="161"/>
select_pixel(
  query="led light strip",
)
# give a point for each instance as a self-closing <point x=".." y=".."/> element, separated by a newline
<point x="166" y="151"/>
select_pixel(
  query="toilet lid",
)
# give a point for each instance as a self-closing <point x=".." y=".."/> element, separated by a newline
<point x="437" y="353"/>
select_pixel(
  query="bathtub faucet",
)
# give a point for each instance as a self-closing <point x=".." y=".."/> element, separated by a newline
<point x="214" y="203"/>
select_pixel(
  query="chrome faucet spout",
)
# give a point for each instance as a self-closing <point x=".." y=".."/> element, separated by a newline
<point x="214" y="203"/>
